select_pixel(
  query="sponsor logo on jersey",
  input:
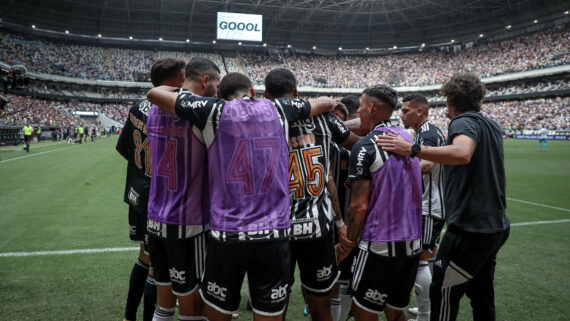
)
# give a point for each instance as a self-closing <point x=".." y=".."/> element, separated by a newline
<point x="339" y="125"/>
<point x="177" y="276"/>
<point x="360" y="159"/>
<point x="153" y="227"/>
<point x="133" y="197"/>
<point x="375" y="296"/>
<point x="324" y="273"/>
<point x="256" y="235"/>
<point x="279" y="294"/>
<point x="132" y="230"/>
<point x="193" y="104"/>
<point x="217" y="291"/>
<point x="303" y="228"/>
<point x="144" y="107"/>
<point x="306" y="124"/>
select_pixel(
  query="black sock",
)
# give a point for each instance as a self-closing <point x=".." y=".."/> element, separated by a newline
<point x="149" y="298"/>
<point x="136" y="288"/>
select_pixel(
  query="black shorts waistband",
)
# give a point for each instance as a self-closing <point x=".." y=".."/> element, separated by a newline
<point x="173" y="231"/>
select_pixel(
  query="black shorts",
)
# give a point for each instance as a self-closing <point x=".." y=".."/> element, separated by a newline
<point x="27" y="138"/>
<point x="137" y="227"/>
<point x="177" y="261"/>
<point x="317" y="264"/>
<point x="345" y="266"/>
<point x="431" y="232"/>
<point x="267" y="267"/>
<point x="381" y="281"/>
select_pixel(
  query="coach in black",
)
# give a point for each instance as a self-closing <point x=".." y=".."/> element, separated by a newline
<point x="474" y="201"/>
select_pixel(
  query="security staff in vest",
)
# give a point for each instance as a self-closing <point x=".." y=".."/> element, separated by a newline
<point x="39" y="133"/>
<point x="474" y="197"/>
<point x="28" y="132"/>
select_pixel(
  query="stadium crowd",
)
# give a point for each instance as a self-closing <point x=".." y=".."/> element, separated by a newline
<point x="42" y="56"/>
<point x="538" y="50"/>
<point x="524" y="114"/>
<point x="22" y="109"/>
<point x="431" y="67"/>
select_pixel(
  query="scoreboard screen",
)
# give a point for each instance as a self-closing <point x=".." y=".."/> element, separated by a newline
<point x="239" y="26"/>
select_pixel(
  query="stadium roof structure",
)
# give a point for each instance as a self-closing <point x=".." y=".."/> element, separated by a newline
<point x="351" y="24"/>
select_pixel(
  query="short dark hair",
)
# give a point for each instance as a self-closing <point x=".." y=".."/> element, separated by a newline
<point x="280" y="82"/>
<point x="164" y="69"/>
<point x="415" y="98"/>
<point x="351" y="102"/>
<point x="465" y="91"/>
<point x="233" y="83"/>
<point x="198" y="67"/>
<point x="343" y="110"/>
<point x="384" y="93"/>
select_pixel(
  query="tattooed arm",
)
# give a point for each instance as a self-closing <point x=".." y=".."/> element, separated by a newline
<point x="359" y="197"/>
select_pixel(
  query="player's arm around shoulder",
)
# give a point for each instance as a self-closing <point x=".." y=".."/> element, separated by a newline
<point x="458" y="153"/>
<point x="163" y="97"/>
<point x="322" y="105"/>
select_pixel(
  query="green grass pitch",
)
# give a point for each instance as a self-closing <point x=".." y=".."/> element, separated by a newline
<point x="67" y="197"/>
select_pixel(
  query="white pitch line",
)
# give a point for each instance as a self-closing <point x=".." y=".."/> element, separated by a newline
<point x="66" y="252"/>
<point x="540" y="222"/>
<point x="48" y="151"/>
<point x="541" y="205"/>
<point x="124" y="249"/>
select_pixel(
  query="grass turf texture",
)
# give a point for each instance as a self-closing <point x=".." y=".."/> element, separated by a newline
<point x="63" y="197"/>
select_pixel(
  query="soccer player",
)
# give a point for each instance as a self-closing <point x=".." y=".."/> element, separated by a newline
<point x="542" y="136"/>
<point x="474" y="194"/>
<point x="249" y="194"/>
<point x="28" y="131"/>
<point x="133" y="146"/>
<point x="385" y="207"/>
<point x="311" y="207"/>
<point x="340" y="157"/>
<point x="351" y="102"/>
<point x="415" y="115"/>
<point x="177" y="206"/>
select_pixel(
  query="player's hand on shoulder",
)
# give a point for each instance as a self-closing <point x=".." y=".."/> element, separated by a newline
<point x="394" y="143"/>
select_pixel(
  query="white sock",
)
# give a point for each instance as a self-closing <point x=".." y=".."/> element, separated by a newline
<point x="335" y="308"/>
<point x="163" y="314"/>
<point x="423" y="281"/>
<point x="345" y="302"/>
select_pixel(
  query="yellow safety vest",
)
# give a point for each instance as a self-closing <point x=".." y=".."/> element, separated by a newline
<point x="28" y="130"/>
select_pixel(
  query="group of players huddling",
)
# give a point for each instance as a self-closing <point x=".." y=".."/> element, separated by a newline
<point x="221" y="184"/>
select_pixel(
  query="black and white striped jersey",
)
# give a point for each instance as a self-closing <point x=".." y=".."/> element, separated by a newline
<point x="340" y="158"/>
<point x="205" y="113"/>
<point x="432" y="183"/>
<point x="133" y="146"/>
<point x="309" y="157"/>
